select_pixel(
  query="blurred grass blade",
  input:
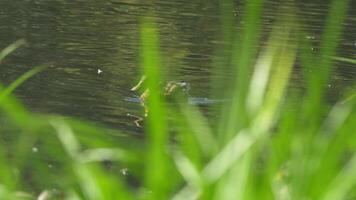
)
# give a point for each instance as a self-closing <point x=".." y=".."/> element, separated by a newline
<point x="107" y="154"/>
<point x="12" y="47"/>
<point x="348" y="98"/>
<point x="280" y="188"/>
<point x="282" y="62"/>
<point x="94" y="183"/>
<point x="336" y="118"/>
<point x="66" y="136"/>
<point x="97" y="185"/>
<point x="241" y="143"/>
<point x="18" y="113"/>
<point x="326" y="147"/>
<point x="236" y="148"/>
<point x="187" y="193"/>
<point x="242" y="60"/>
<point x="264" y="147"/>
<point x="278" y="83"/>
<point x="344" y="181"/>
<point x="187" y="170"/>
<point x="88" y="183"/>
<point x="324" y="65"/>
<point x="4" y="192"/>
<point x="221" y="63"/>
<point x="157" y="157"/>
<point x="6" y="173"/>
<point x="331" y="35"/>
<point x="222" y="162"/>
<point x="260" y="78"/>
<point x="12" y="107"/>
<point x="201" y="129"/>
<point x="72" y="195"/>
<point x="347" y="60"/>
<point x="9" y="89"/>
<point x="234" y="184"/>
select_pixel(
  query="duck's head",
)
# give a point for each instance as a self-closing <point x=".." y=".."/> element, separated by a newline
<point x="178" y="89"/>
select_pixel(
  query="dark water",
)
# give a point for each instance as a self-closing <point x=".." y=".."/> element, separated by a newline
<point x="78" y="38"/>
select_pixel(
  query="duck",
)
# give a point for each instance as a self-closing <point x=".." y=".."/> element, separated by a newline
<point x="171" y="90"/>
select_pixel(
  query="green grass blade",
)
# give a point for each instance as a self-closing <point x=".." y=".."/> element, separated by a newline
<point x="347" y="60"/>
<point x="239" y="145"/>
<point x="243" y="55"/>
<point x="105" y="154"/>
<point x="343" y="182"/>
<point x="96" y="184"/>
<point x="202" y="132"/>
<point x="12" y="47"/>
<point x="156" y="168"/>
<point x="234" y="184"/>
<point x="14" y="109"/>
<point x="187" y="169"/>
<point x="67" y="138"/>
<point x="324" y="64"/>
<point x="9" y="89"/>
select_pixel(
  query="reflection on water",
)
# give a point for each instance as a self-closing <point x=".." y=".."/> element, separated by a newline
<point x="93" y="50"/>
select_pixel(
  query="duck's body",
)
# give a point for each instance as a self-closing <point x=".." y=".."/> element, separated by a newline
<point x="170" y="91"/>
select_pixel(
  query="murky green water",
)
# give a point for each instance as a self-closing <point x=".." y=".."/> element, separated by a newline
<point x="78" y="38"/>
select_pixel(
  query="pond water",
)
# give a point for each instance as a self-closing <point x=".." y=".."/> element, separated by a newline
<point x="79" y="38"/>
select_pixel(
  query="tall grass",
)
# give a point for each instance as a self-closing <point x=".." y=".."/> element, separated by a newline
<point x="262" y="145"/>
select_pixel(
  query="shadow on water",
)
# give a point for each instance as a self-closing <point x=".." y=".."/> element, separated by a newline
<point x="93" y="48"/>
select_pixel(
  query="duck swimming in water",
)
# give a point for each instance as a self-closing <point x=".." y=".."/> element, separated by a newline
<point x="171" y="90"/>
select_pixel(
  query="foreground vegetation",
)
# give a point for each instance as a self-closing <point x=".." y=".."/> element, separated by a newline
<point x="266" y="143"/>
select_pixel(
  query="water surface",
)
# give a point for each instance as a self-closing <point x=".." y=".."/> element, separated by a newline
<point x="78" y="38"/>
